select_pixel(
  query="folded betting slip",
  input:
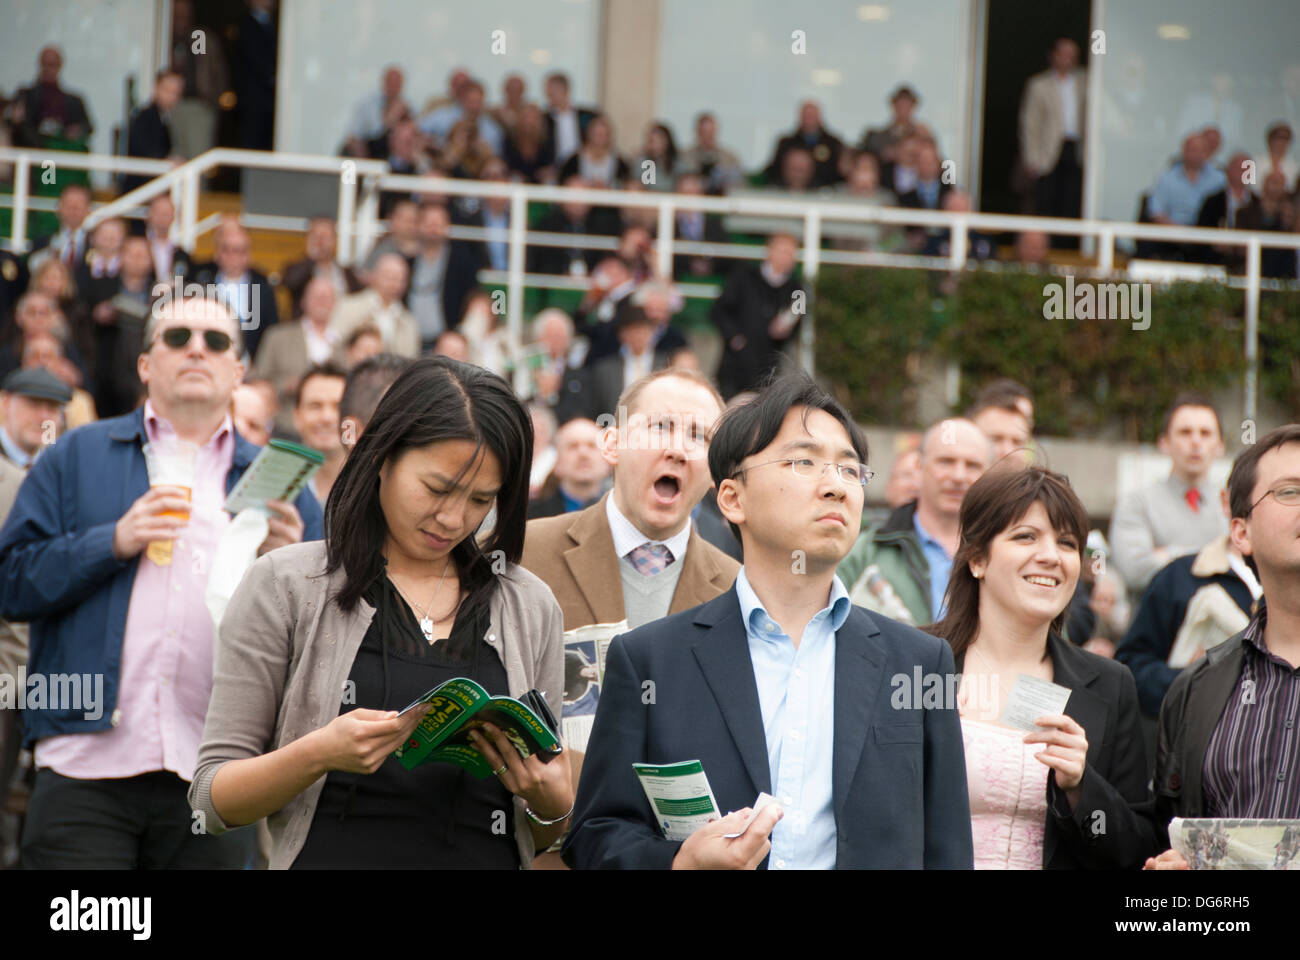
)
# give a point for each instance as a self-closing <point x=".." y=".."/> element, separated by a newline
<point x="1032" y="697"/>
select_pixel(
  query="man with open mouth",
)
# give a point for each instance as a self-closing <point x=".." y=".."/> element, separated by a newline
<point x="635" y="555"/>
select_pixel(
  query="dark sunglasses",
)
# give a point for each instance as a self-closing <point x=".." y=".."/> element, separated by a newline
<point x="178" y="337"/>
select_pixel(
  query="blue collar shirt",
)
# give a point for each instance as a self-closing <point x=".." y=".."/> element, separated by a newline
<point x="1179" y="197"/>
<point x="936" y="557"/>
<point x="796" y="695"/>
<point x="10" y="449"/>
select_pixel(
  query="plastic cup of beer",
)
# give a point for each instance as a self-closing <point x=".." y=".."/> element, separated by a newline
<point x="170" y="465"/>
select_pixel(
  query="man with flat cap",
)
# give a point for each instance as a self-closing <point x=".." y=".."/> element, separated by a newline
<point x="31" y="414"/>
<point x="29" y="400"/>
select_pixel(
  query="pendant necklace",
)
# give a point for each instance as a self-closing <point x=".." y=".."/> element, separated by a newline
<point x="426" y="624"/>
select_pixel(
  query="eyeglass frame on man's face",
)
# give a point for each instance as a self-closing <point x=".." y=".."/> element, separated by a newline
<point x="1273" y="493"/>
<point x="867" y="474"/>
<point x="208" y="336"/>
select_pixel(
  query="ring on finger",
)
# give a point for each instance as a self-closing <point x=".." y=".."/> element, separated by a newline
<point x="497" y="773"/>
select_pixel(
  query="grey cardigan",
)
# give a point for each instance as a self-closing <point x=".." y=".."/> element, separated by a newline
<point x="283" y="655"/>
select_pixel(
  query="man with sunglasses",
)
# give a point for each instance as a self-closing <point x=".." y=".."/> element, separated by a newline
<point x="780" y="685"/>
<point x="1226" y="744"/>
<point x="124" y="630"/>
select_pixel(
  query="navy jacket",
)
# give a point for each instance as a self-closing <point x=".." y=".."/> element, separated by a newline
<point x="899" y="775"/>
<point x="57" y="569"/>
<point x="1150" y="637"/>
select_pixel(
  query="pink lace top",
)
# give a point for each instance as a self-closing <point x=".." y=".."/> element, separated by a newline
<point x="1008" y="797"/>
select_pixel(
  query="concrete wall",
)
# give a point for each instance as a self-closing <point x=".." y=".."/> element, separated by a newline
<point x="629" y="69"/>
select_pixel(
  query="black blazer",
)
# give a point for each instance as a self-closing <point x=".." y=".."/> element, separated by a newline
<point x="714" y="232"/>
<point x="912" y="198"/>
<point x="1108" y="830"/>
<point x="298" y="274"/>
<point x="265" y="312"/>
<point x="459" y="280"/>
<point x="746" y="307"/>
<point x="899" y="776"/>
<point x="604" y="382"/>
<point x="1214" y="211"/>
<point x="584" y="118"/>
<point x="147" y="136"/>
<point x="601" y="221"/>
<point x="1191" y="712"/>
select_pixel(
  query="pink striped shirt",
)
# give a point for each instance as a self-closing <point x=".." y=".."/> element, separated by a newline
<point x="166" y="664"/>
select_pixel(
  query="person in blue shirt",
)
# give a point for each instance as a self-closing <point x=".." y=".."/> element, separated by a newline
<point x="1179" y="194"/>
<point x="780" y="685"/>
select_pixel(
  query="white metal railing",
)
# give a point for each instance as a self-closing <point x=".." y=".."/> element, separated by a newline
<point x="361" y="181"/>
<point x="25" y="162"/>
<point x="814" y="211"/>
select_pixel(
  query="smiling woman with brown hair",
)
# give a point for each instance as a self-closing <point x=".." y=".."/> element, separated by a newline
<point x="1068" y="804"/>
<point x="320" y="647"/>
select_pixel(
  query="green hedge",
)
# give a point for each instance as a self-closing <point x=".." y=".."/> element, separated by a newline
<point x="874" y="326"/>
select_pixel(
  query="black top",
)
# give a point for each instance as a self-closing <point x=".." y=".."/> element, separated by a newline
<point x="436" y="815"/>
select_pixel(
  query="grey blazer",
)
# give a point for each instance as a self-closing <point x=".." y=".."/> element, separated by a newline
<point x="284" y="652"/>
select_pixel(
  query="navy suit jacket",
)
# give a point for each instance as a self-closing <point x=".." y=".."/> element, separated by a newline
<point x="899" y="775"/>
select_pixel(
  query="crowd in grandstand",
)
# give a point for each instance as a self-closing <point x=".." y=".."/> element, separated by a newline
<point x="396" y="369"/>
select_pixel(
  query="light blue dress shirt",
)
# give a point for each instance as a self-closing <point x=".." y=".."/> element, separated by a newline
<point x="498" y="242"/>
<point x="796" y="694"/>
<point x="440" y="121"/>
<point x="14" y="452"/>
<point x="1178" y="198"/>
<point x="936" y="557"/>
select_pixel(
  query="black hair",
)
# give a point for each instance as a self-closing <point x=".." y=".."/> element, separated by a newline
<point x="994" y="503"/>
<point x="367" y="382"/>
<point x="326" y="369"/>
<point x="435" y="400"/>
<point x="1190" y="399"/>
<point x="1002" y="394"/>
<point x="1245" y="470"/>
<point x="671" y="149"/>
<point x="746" y="429"/>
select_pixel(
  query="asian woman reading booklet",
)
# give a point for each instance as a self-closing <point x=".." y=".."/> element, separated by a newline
<point x="321" y="647"/>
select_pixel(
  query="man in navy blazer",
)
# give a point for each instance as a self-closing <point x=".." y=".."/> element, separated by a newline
<point x="780" y="685"/>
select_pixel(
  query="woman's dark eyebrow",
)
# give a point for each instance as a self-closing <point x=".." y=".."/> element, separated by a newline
<point x="449" y="482"/>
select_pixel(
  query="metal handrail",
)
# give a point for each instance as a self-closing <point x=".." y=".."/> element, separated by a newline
<point x="358" y="222"/>
<point x="24" y="159"/>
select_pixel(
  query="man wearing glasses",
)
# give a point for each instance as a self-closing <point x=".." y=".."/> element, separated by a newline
<point x="1230" y="722"/>
<point x="123" y="625"/>
<point x="780" y="685"/>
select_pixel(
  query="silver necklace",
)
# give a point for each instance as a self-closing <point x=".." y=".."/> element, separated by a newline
<point x="426" y="624"/>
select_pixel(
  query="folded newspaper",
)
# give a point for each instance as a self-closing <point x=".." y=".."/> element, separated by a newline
<point x="1223" y="844"/>
<point x="584" y="672"/>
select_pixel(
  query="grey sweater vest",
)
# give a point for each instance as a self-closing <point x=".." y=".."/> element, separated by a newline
<point x="647" y="598"/>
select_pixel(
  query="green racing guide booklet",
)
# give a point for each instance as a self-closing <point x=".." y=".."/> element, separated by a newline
<point x="279" y="472"/>
<point x="459" y="706"/>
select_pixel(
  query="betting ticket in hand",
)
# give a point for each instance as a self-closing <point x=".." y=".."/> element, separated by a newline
<point x="1033" y="697"/>
<point x="764" y="800"/>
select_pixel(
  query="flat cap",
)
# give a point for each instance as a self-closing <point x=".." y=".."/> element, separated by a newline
<point x="37" y="383"/>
